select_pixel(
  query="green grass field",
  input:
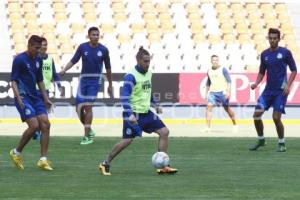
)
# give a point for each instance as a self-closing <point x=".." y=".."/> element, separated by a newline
<point x="209" y="168"/>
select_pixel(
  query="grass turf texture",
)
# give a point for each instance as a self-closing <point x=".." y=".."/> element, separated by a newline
<point x="209" y="168"/>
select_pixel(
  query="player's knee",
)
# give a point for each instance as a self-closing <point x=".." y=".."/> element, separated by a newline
<point x="276" y="118"/>
<point x="165" y="132"/>
<point x="45" y="125"/>
<point x="34" y="126"/>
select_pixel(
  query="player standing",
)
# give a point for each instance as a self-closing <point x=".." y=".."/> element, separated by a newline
<point x="93" y="55"/>
<point x="137" y="117"/>
<point x="274" y="61"/>
<point x="218" y="90"/>
<point x="26" y="73"/>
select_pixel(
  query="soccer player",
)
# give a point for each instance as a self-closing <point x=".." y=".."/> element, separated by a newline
<point x="49" y="75"/>
<point x="137" y="117"/>
<point x="26" y="73"/>
<point x="93" y="55"/>
<point x="274" y="61"/>
<point x="217" y="93"/>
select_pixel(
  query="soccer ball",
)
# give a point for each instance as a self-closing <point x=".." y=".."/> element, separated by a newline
<point x="160" y="160"/>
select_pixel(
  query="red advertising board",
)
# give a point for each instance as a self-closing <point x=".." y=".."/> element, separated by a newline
<point x="192" y="89"/>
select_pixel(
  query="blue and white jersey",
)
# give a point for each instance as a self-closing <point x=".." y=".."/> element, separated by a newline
<point x="27" y="72"/>
<point x="92" y="58"/>
<point x="275" y="63"/>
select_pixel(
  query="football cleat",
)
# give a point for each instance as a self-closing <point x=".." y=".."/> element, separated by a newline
<point x="45" y="165"/>
<point x="104" y="169"/>
<point x="259" y="143"/>
<point x="86" y="140"/>
<point x="17" y="159"/>
<point x="281" y="147"/>
<point x="167" y="170"/>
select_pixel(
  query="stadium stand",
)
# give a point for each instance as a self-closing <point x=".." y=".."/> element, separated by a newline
<point x="180" y="34"/>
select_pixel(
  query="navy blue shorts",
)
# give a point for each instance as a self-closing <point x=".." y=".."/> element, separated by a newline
<point x="87" y="91"/>
<point x="217" y="98"/>
<point x="272" y="98"/>
<point x="34" y="106"/>
<point x="147" y="122"/>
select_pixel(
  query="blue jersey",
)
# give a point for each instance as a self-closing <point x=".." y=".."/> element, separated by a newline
<point x="275" y="63"/>
<point x="92" y="58"/>
<point x="27" y="72"/>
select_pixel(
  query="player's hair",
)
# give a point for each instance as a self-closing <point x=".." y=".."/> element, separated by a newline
<point x="275" y="31"/>
<point x="214" y="55"/>
<point x="142" y="52"/>
<point x="44" y="39"/>
<point x="35" y="39"/>
<point x="93" y="28"/>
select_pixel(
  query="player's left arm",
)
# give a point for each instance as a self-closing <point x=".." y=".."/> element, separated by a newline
<point x="228" y="80"/>
<point x="108" y="74"/>
<point x="56" y="79"/>
<point x="292" y="65"/>
<point x="41" y="85"/>
<point x="156" y="105"/>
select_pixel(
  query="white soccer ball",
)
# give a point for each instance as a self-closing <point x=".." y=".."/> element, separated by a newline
<point x="160" y="160"/>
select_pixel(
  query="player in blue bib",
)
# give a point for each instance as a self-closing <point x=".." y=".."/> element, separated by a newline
<point x="93" y="55"/>
<point x="26" y="74"/>
<point x="274" y="62"/>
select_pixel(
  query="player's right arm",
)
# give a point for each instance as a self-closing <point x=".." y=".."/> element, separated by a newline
<point x="260" y="75"/>
<point x="208" y="83"/>
<point x="72" y="62"/>
<point x="129" y="82"/>
<point x="15" y="74"/>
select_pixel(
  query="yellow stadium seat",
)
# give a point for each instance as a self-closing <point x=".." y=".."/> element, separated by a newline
<point x="221" y="7"/>
<point x="149" y="17"/>
<point x="229" y="38"/>
<point x="269" y="17"/>
<point x="242" y="28"/>
<point x="244" y="38"/>
<point x="64" y="39"/>
<point x="52" y="48"/>
<point x="28" y="7"/>
<point x="162" y="8"/>
<point x="90" y="17"/>
<point x="284" y="18"/>
<point x="18" y="37"/>
<point x="226" y="27"/>
<point x="199" y="38"/>
<point x="256" y="28"/>
<point x="154" y="38"/>
<point x="251" y="7"/>
<point x="60" y="17"/>
<point x="124" y="38"/>
<point x="152" y="28"/>
<point x="33" y="29"/>
<point x="194" y="17"/>
<point x="77" y="28"/>
<point x="20" y="47"/>
<point x="260" y="39"/>
<point x="192" y="8"/>
<point x="118" y="7"/>
<point x="147" y="7"/>
<point x="137" y="28"/>
<point x="289" y="38"/>
<point x="254" y="17"/>
<point x="214" y="39"/>
<point x="55" y="58"/>
<point x="29" y="1"/>
<point x="16" y="27"/>
<point x="48" y="28"/>
<point x="286" y="28"/>
<point x="50" y="37"/>
<point x="120" y="17"/>
<point x="266" y="8"/>
<point x="167" y="27"/>
<point x="107" y="28"/>
<point x="165" y="17"/>
<point x="272" y="24"/>
<point x="239" y="17"/>
<point x="223" y="17"/>
<point x="59" y="7"/>
<point x="30" y="16"/>
<point x="196" y="27"/>
<point x="281" y="8"/>
<point x="88" y="7"/>
<point x="66" y="48"/>
<point x="15" y="17"/>
<point x="236" y="7"/>
<point x="14" y="7"/>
